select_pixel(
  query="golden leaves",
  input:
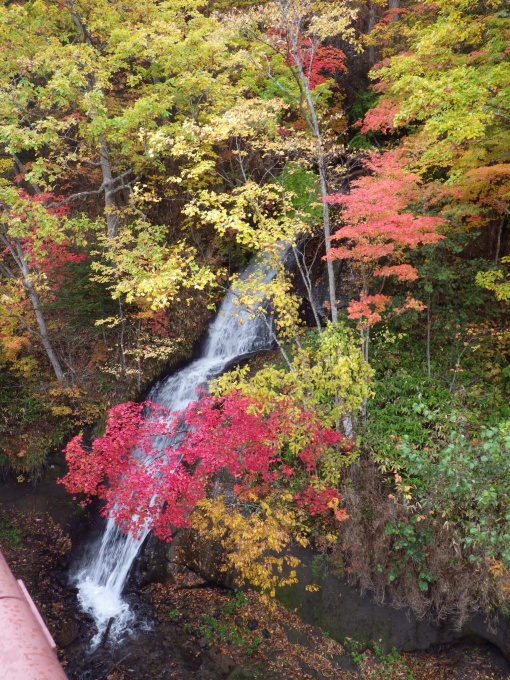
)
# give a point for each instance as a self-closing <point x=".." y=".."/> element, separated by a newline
<point x="253" y="541"/>
<point x="329" y="376"/>
<point x="142" y="269"/>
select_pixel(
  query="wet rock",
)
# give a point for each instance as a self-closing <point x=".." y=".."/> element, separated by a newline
<point x="296" y="637"/>
<point x="67" y="633"/>
<point x="254" y="673"/>
<point x="188" y="552"/>
<point x="222" y="663"/>
<point x="145" y="596"/>
<point x="152" y="563"/>
<point x="344" y="612"/>
<point x="62" y="580"/>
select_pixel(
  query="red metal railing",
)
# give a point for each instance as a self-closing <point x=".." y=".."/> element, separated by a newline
<point x="27" y="650"/>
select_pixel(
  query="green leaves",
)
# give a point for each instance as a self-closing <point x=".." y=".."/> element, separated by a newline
<point x="329" y="376"/>
<point x="466" y="485"/>
<point x="497" y="281"/>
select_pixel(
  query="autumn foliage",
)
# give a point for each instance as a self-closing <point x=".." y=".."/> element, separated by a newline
<point x="320" y="64"/>
<point x="145" y="477"/>
<point x="380" y="229"/>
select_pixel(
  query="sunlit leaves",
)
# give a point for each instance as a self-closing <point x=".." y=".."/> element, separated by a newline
<point x="329" y="375"/>
<point x="255" y="544"/>
<point x="136" y="470"/>
<point x="452" y="80"/>
<point x="142" y="269"/>
<point x="380" y="229"/>
<point x="496" y="281"/>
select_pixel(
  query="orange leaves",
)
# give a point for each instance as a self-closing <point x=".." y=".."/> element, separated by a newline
<point x="403" y="272"/>
<point x="361" y="251"/>
<point x="377" y="209"/>
<point x="369" y="309"/>
<point x="13" y="345"/>
<point x="411" y="303"/>
<point x="488" y="185"/>
<point x="381" y="118"/>
<point x="380" y="227"/>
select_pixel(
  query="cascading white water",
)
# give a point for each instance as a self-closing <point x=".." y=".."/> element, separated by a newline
<point x="234" y="333"/>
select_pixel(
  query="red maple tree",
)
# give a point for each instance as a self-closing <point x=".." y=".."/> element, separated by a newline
<point x="380" y="229"/>
<point x="152" y="467"/>
<point x="48" y="255"/>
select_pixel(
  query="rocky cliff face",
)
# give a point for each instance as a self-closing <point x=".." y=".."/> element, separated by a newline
<point x="337" y="607"/>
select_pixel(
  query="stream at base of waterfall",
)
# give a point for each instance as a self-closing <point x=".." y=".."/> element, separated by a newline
<point x="100" y="581"/>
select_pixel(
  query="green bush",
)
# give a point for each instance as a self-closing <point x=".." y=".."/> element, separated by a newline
<point x="466" y="484"/>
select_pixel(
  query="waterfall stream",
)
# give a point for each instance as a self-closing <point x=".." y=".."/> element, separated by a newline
<point x="233" y="334"/>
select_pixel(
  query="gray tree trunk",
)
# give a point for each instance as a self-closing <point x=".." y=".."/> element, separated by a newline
<point x="34" y="299"/>
<point x="394" y="4"/>
<point x="43" y="331"/>
<point x="313" y="123"/>
<point x="112" y="216"/>
<point x="371" y="24"/>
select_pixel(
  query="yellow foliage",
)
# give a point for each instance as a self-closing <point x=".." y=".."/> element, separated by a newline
<point x="261" y="216"/>
<point x="254" y="542"/>
<point x="141" y="268"/>
<point x="61" y="410"/>
<point x="73" y="404"/>
<point x="501" y="578"/>
<point x="312" y="588"/>
<point x="330" y="376"/>
<point x="13" y="346"/>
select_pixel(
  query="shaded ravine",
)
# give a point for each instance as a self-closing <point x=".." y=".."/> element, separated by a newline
<point x="233" y="334"/>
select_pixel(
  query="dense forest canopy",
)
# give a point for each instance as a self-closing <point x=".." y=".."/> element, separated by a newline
<point x="148" y="150"/>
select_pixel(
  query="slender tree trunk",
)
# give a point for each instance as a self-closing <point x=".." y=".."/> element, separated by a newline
<point x="371" y="24"/>
<point x="16" y="251"/>
<point x="112" y="216"/>
<point x="498" y="241"/>
<point x="367" y="344"/>
<point x="429" y="370"/>
<point x="394" y="4"/>
<point x="348" y="425"/>
<point x="43" y="331"/>
<point x="121" y="340"/>
<point x="278" y="343"/>
<point x="327" y="235"/>
<point x="308" y="285"/>
<point x="313" y="124"/>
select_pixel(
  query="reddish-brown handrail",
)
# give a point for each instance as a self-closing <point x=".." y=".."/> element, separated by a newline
<point x="27" y="650"/>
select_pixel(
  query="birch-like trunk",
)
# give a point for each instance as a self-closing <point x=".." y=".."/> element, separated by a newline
<point x="327" y="234"/>
<point x="112" y="215"/>
<point x="43" y="331"/>
<point x="13" y="246"/>
<point x="394" y="4"/>
<point x="371" y="24"/>
<point x="33" y="296"/>
<point x="313" y="123"/>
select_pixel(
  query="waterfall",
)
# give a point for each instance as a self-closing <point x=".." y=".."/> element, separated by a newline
<point x="233" y="334"/>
